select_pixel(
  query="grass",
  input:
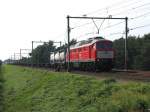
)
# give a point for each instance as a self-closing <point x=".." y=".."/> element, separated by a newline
<point x="34" y="90"/>
<point x="1" y="90"/>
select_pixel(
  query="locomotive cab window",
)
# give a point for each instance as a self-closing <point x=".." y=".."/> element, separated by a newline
<point x="104" y="45"/>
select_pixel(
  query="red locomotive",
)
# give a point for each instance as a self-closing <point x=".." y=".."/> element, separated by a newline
<point x="92" y="54"/>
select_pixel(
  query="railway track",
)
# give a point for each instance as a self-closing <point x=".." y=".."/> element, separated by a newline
<point x="120" y="75"/>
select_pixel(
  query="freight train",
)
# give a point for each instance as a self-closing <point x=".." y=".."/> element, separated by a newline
<point x="93" y="54"/>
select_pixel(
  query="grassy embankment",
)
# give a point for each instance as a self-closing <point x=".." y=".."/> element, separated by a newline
<point x="32" y="90"/>
<point x="1" y="90"/>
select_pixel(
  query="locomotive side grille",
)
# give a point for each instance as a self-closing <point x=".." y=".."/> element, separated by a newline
<point x="105" y="54"/>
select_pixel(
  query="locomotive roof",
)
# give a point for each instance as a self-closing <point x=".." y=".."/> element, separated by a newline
<point x="90" y="41"/>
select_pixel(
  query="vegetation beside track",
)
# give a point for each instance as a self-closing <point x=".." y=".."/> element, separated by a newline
<point x="34" y="90"/>
<point x="1" y="89"/>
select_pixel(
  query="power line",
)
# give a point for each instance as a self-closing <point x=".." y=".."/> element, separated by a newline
<point x="133" y="8"/>
<point x="141" y="6"/>
<point x="115" y="4"/>
<point x="138" y="27"/>
<point x="119" y="33"/>
<point x="117" y="14"/>
<point x="111" y="34"/>
<point x="129" y="20"/>
<point x="101" y="25"/>
<point x="85" y="34"/>
<point x="116" y="33"/>
<point x="82" y="25"/>
<point x="114" y="24"/>
<point x="140" y="15"/>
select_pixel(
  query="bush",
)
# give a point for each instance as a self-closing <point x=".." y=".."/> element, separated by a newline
<point x="1" y="89"/>
<point x="0" y="62"/>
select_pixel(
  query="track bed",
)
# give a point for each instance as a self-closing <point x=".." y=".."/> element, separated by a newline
<point x="120" y="75"/>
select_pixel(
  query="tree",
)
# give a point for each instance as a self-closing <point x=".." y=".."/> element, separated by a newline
<point x="134" y="49"/>
<point x="118" y="45"/>
<point x="0" y="62"/>
<point x="145" y="54"/>
<point x="138" y="52"/>
<point x="73" y="41"/>
<point x="25" y="60"/>
<point x="143" y="58"/>
<point x="41" y="54"/>
<point x="64" y="47"/>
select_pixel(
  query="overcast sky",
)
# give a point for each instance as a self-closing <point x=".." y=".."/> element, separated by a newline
<point x="23" y="21"/>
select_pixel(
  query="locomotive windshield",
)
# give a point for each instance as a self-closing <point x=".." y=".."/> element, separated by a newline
<point x="104" y="45"/>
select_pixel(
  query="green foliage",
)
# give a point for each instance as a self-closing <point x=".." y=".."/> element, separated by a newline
<point x="42" y="52"/>
<point x="1" y="90"/>
<point x="145" y="54"/>
<point x="64" y="46"/>
<point x="138" y="52"/>
<point x="25" y="60"/>
<point x="0" y="62"/>
<point x="119" y="52"/>
<point x="37" y="90"/>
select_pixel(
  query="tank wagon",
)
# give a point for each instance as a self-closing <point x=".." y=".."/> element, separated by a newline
<point x="93" y="54"/>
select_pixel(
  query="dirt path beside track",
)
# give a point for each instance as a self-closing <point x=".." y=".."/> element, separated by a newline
<point x="143" y="76"/>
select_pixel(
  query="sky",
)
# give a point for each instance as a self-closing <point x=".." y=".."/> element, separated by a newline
<point x="23" y="21"/>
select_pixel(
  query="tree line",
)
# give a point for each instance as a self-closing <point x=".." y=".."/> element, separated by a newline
<point x="138" y="52"/>
<point x="0" y="62"/>
<point x="41" y="54"/>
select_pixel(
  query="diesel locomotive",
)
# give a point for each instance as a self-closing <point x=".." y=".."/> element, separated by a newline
<point x="93" y="54"/>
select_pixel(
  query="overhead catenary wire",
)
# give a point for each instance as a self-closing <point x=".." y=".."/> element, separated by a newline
<point x="139" y="16"/>
<point x="136" y="17"/>
<point x="91" y="23"/>
<point x="81" y="25"/>
<point x="120" y="3"/>
<point x="131" y="9"/>
<point x="117" y="33"/>
<point x="142" y="26"/>
<point x="113" y="24"/>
